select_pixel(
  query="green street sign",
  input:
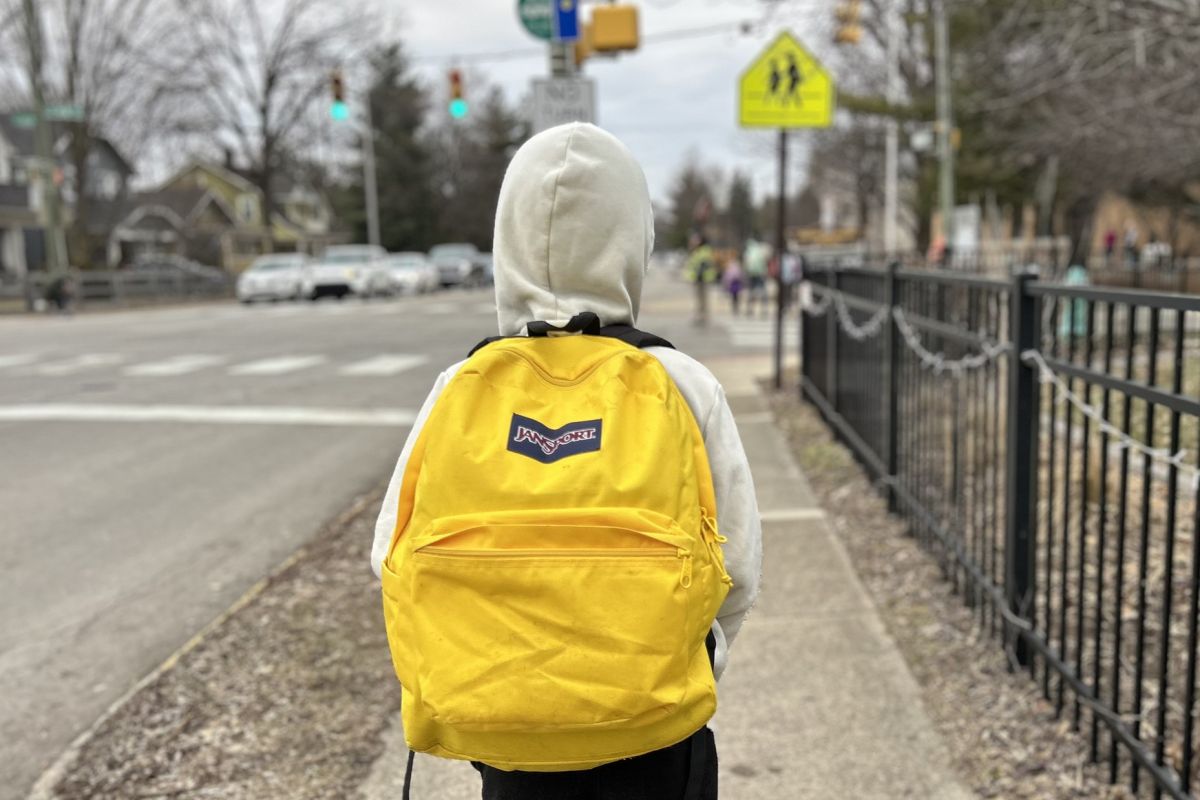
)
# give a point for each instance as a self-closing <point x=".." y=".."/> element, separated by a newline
<point x="26" y="119"/>
<point x="64" y="113"/>
<point x="538" y="17"/>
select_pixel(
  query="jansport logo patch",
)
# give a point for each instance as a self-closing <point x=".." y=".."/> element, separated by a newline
<point x="531" y="438"/>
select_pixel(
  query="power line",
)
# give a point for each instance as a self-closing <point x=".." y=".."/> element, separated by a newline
<point x="743" y="27"/>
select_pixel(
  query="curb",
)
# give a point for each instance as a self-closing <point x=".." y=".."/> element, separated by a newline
<point x="43" y="788"/>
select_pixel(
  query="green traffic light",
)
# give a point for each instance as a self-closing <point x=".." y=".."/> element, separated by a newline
<point x="458" y="108"/>
<point x="339" y="111"/>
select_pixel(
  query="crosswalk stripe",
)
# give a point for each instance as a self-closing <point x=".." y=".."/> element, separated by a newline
<point x="80" y="363"/>
<point x="224" y="415"/>
<point x="384" y="365"/>
<point x="17" y="360"/>
<point x="176" y="365"/>
<point x="277" y="366"/>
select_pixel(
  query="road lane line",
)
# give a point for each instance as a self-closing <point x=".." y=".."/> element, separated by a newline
<point x="219" y="415"/>
<point x="383" y="365"/>
<point x="277" y="366"/>
<point x="176" y="365"/>
<point x="80" y="363"/>
<point x="17" y="360"/>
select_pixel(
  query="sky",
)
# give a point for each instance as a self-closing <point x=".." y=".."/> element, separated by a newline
<point x="673" y="96"/>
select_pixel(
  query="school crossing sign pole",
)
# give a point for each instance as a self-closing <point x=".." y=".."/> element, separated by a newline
<point x="785" y="87"/>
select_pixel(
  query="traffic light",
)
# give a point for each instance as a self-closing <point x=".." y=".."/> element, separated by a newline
<point x="849" y="31"/>
<point x="337" y="85"/>
<point x="458" y="105"/>
<point x="614" y="27"/>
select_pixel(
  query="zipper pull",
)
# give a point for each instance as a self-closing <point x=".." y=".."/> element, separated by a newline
<point x="685" y="577"/>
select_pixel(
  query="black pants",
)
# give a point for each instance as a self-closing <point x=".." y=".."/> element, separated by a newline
<point x="662" y="775"/>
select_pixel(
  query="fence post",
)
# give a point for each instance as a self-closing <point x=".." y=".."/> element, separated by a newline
<point x="802" y="331"/>
<point x="831" y="345"/>
<point x="891" y="393"/>
<point x="1020" y="549"/>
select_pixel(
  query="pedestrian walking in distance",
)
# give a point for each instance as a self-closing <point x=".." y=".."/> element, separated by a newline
<point x="701" y="270"/>
<point x="570" y="540"/>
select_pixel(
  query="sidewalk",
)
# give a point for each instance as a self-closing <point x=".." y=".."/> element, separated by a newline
<point x="817" y="701"/>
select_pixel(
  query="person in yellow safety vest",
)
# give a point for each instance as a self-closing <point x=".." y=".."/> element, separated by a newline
<point x="701" y="270"/>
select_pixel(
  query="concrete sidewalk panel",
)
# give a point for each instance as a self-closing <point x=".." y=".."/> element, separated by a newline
<point x="824" y="709"/>
<point x="804" y="574"/>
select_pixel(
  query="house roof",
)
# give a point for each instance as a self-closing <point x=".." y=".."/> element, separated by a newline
<point x="182" y="206"/>
<point x="23" y="140"/>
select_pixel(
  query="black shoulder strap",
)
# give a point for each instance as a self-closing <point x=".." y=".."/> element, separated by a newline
<point x="587" y="323"/>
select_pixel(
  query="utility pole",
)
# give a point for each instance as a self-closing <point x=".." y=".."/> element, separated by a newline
<point x="945" y="114"/>
<point x="891" y="200"/>
<point x="372" y="192"/>
<point x="51" y="226"/>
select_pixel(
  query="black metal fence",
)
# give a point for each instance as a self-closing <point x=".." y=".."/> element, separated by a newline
<point x="1041" y="441"/>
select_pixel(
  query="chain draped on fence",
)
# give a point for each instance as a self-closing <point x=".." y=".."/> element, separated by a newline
<point x="1032" y="436"/>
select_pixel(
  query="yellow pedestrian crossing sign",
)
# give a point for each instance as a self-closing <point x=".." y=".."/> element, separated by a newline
<point x="786" y="87"/>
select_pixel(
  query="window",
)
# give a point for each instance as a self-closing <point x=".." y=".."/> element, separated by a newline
<point x="245" y="208"/>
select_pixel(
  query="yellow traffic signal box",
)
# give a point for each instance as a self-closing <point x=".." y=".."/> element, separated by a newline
<point x="614" y="27"/>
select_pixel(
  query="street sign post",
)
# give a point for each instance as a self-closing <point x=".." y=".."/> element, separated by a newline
<point x="538" y="17"/>
<point x="785" y="87"/>
<point x="557" y="101"/>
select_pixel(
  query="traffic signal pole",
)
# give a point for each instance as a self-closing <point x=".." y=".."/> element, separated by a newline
<point x="341" y="112"/>
<point x="52" y="233"/>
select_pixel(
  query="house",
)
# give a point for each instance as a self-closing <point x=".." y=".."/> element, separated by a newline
<point x="105" y="182"/>
<point x="215" y="215"/>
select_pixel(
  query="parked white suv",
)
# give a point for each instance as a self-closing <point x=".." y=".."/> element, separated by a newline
<point x="357" y="269"/>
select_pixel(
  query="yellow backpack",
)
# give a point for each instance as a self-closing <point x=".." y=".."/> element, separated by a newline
<point x="556" y="567"/>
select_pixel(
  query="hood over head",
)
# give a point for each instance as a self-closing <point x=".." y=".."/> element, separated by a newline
<point x="574" y="230"/>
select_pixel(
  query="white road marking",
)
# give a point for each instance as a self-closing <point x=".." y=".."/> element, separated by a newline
<point x="176" y="365"/>
<point x="791" y="514"/>
<point x="80" y="363"/>
<point x="17" y="360"/>
<point x="277" y="366"/>
<point x="384" y="365"/>
<point x="221" y="415"/>
<point x="759" y="333"/>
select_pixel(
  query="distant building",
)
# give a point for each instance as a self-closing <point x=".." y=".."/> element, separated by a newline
<point x="214" y="215"/>
<point x="22" y="240"/>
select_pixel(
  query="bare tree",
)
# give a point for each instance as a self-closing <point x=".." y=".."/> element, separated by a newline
<point x="259" y="69"/>
<point x="108" y="60"/>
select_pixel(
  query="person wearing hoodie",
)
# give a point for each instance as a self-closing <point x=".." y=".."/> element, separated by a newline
<point x="574" y="232"/>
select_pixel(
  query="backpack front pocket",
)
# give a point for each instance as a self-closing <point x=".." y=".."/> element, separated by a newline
<point x="552" y="620"/>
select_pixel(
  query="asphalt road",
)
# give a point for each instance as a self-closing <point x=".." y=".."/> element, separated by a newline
<point x="155" y="464"/>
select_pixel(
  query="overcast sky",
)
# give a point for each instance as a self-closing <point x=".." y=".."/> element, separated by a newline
<point x="670" y="96"/>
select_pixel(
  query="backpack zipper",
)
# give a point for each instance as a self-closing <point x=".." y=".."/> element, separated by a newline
<point x="685" y="576"/>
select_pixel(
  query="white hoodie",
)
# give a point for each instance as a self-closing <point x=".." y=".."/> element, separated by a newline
<point x="574" y="232"/>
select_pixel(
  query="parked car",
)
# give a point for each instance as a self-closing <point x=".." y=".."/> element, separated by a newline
<point x="275" y="277"/>
<point x="412" y="273"/>
<point x="458" y="264"/>
<point x="357" y="269"/>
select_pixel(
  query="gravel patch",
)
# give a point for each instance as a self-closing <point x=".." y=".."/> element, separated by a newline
<point x="286" y="697"/>
<point x="1003" y="737"/>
